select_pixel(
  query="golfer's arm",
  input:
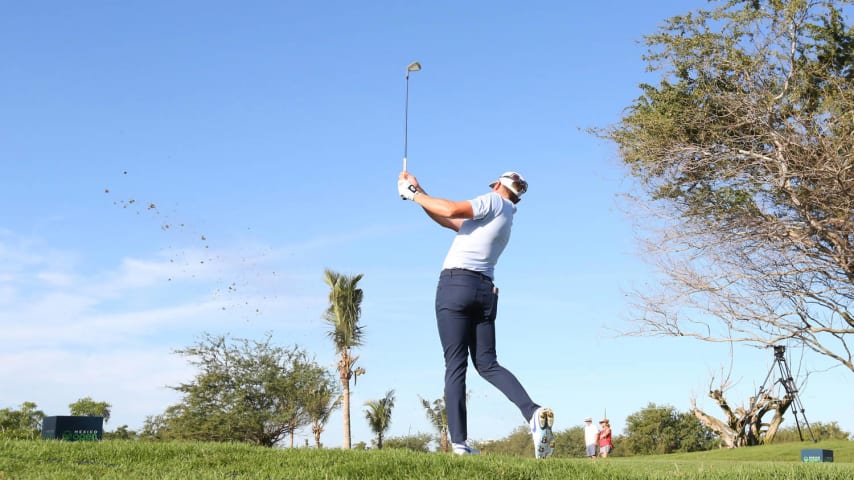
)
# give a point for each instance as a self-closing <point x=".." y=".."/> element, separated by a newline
<point x="447" y="213"/>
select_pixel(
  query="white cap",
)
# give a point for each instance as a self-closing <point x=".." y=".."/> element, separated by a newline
<point x="514" y="182"/>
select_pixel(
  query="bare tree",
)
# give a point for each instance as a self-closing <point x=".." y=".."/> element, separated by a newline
<point x="744" y="158"/>
<point x="743" y="426"/>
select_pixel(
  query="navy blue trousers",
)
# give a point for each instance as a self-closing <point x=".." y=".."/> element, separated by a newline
<point x="466" y="307"/>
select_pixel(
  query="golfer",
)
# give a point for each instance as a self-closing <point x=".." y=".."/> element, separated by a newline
<point x="467" y="301"/>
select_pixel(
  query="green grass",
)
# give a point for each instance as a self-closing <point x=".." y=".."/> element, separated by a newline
<point x="20" y="459"/>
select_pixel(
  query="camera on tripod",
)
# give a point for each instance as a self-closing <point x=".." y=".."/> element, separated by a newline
<point x="789" y="386"/>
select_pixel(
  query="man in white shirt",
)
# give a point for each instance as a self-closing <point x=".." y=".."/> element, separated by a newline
<point x="591" y="437"/>
<point x="467" y="301"/>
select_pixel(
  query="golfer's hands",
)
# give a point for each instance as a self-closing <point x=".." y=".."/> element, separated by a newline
<point x="406" y="189"/>
<point x="407" y="186"/>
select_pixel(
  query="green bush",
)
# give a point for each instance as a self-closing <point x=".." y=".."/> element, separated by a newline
<point x="420" y="442"/>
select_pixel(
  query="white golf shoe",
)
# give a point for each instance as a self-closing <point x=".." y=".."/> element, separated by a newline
<point x="541" y="431"/>
<point x="465" y="449"/>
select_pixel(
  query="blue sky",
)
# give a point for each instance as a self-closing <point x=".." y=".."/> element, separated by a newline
<point x="174" y="168"/>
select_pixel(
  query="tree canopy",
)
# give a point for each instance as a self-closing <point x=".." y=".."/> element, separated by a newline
<point x="743" y="155"/>
<point x="661" y="429"/>
<point x="88" y="407"/>
<point x="250" y="391"/>
<point x="25" y="422"/>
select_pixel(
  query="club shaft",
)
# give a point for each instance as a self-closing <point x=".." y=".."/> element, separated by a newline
<point x="406" y="122"/>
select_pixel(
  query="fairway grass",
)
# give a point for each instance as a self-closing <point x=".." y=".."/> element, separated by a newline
<point x="195" y="460"/>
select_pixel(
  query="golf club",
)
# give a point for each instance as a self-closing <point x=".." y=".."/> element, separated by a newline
<point x="413" y="67"/>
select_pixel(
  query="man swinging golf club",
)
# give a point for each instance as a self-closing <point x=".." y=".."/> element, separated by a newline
<point x="467" y="301"/>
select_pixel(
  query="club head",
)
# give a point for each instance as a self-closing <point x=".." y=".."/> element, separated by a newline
<point x="413" y="67"/>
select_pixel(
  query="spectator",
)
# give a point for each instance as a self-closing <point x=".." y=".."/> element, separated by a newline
<point x="591" y="437"/>
<point x="605" y="444"/>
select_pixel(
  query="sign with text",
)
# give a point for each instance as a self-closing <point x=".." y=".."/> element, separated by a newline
<point x="816" y="456"/>
<point x="73" y="428"/>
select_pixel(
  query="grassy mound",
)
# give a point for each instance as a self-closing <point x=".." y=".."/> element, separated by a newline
<point x="21" y="459"/>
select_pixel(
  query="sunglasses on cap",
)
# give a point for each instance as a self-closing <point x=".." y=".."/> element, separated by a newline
<point x="519" y="185"/>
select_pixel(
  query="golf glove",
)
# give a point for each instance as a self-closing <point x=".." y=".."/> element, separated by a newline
<point x="406" y="190"/>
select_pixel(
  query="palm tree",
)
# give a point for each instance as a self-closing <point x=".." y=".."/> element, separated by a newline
<point x="437" y="414"/>
<point x="345" y="307"/>
<point x="378" y="415"/>
<point x="320" y="403"/>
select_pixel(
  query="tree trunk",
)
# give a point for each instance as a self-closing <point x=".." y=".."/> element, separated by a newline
<point x="780" y="409"/>
<point x="727" y="434"/>
<point x="344" y="371"/>
<point x="346" y="407"/>
<point x="744" y="428"/>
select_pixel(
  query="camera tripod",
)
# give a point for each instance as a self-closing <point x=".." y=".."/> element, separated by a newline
<point x="788" y="384"/>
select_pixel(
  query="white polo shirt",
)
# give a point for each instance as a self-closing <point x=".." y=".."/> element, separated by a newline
<point x="481" y="239"/>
